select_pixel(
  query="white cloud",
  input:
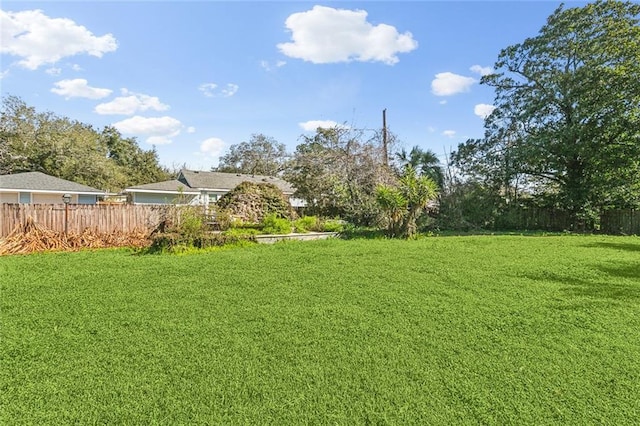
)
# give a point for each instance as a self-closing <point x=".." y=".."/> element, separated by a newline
<point x="212" y="147"/>
<point x="76" y="67"/>
<point x="79" y="88"/>
<point x="211" y="90"/>
<point x="312" y="125"/>
<point x="207" y="89"/>
<point x="483" y="110"/>
<point x="3" y="74"/>
<point x="131" y="103"/>
<point x="39" y="39"/>
<point x="191" y="129"/>
<point x="449" y="133"/>
<point x="326" y="35"/>
<point x="481" y="70"/>
<point x="229" y="90"/>
<point x="160" y="130"/>
<point x="443" y="102"/>
<point x="53" y="71"/>
<point x="448" y="83"/>
<point x="269" y="67"/>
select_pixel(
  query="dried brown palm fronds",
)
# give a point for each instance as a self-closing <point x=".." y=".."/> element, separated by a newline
<point x="30" y="237"/>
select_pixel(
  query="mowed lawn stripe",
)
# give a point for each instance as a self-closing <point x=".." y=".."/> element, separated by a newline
<point x="481" y="329"/>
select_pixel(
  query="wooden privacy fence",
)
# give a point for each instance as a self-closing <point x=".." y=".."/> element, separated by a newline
<point x="101" y="218"/>
<point x="616" y="222"/>
<point x="620" y="222"/>
<point x="533" y="218"/>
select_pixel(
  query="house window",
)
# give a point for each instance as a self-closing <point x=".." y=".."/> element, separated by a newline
<point x="86" y="199"/>
<point x="25" y="198"/>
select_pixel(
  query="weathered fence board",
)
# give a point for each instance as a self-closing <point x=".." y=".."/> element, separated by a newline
<point x="101" y="218"/>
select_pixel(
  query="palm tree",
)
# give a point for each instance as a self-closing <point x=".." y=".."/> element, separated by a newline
<point x="425" y="163"/>
<point x="404" y="202"/>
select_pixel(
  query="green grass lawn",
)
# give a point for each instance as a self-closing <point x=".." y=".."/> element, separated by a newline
<point x="442" y="330"/>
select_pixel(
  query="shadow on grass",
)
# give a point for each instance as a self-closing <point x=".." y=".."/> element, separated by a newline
<point x="610" y="289"/>
<point x="616" y="246"/>
<point x="623" y="270"/>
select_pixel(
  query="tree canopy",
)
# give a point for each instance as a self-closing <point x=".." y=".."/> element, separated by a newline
<point x="261" y="155"/>
<point x="68" y="149"/>
<point x="567" y="117"/>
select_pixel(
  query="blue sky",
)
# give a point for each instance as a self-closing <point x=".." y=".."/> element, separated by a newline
<point x="194" y="77"/>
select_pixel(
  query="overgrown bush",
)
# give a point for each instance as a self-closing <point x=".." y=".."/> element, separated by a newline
<point x="177" y="243"/>
<point x="185" y="229"/>
<point x="251" y="202"/>
<point x="191" y="224"/>
<point x="187" y="221"/>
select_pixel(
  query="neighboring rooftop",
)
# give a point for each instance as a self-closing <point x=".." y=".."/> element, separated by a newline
<point x="228" y="181"/>
<point x="165" y="186"/>
<point x="37" y="181"/>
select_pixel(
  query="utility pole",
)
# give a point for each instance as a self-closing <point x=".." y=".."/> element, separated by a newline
<point x="385" y="157"/>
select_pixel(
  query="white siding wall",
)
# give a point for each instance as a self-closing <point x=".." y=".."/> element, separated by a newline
<point x="9" y="197"/>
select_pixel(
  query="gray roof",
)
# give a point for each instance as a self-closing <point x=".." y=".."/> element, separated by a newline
<point x="166" y="186"/>
<point x="228" y="181"/>
<point x="36" y="181"/>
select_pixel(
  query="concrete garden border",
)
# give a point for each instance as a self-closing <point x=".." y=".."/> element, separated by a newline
<point x="273" y="238"/>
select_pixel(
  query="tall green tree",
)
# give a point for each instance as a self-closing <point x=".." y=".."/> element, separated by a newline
<point x="567" y="111"/>
<point x="135" y="165"/>
<point x="261" y="155"/>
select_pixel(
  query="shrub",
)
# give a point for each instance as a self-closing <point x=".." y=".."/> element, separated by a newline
<point x="306" y="224"/>
<point x="186" y="221"/>
<point x="332" y="225"/>
<point x="272" y="224"/>
<point x="191" y="223"/>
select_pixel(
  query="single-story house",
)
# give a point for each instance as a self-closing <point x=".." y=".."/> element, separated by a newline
<point x="201" y="188"/>
<point x="40" y="188"/>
